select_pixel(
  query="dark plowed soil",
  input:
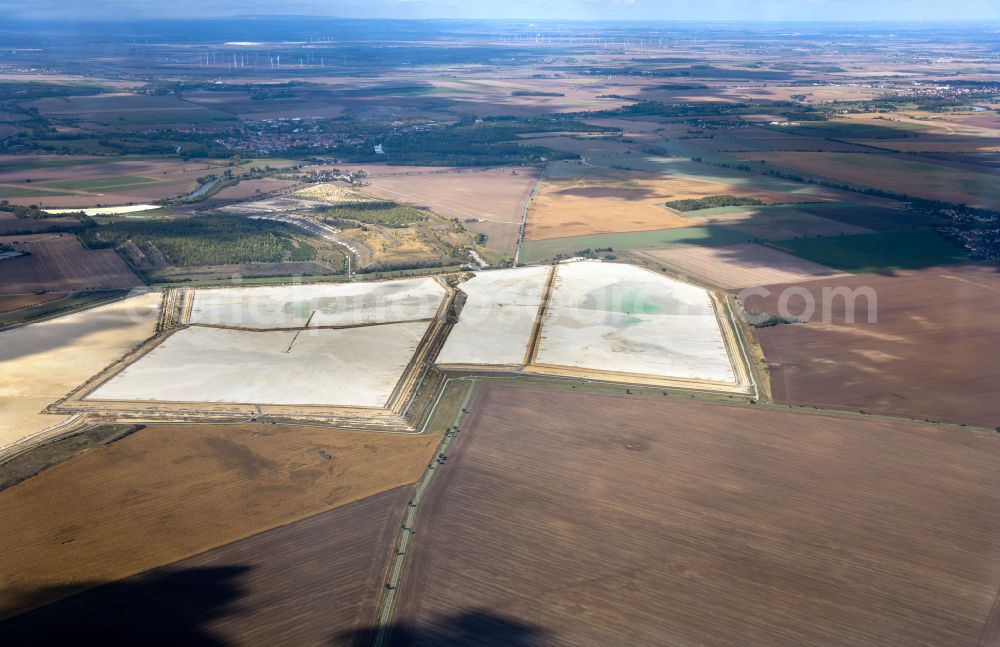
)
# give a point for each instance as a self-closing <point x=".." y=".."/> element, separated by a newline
<point x="306" y="583"/>
<point x="567" y="518"/>
<point x="931" y="354"/>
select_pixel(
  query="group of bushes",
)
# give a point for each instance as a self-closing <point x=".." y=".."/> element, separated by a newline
<point x="535" y="93"/>
<point x="31" y="212"/>
<point x="713" y="201"/>
<point x="385" y="213"/>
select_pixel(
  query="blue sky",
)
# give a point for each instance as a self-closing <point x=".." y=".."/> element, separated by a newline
<point x="792" y="10"/>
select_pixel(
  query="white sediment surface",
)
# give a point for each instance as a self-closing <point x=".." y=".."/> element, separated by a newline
<point x="106" y="211"/>
<point x="495" y="324"/>
<point x="44" y="361"/>
<point x="344" y="367"/>
<point x="292" y="306"/>
<point x="621" y="318"/>
<point x="290" y="345"/>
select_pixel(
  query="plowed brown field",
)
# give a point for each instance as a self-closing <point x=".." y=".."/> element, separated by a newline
<point x="737" y="266"/>
<point x="932" y="352"/>
<point x="60" y="263"/>
<point x="570" y="518"/>
<point x="298" y="584"/>
<point x="11" y="224"/>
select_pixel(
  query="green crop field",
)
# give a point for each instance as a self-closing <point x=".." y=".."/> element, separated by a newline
<point x="742" y="209"/>
<point x="26" y="164"/>
<point x="538" y="250"/>
<point x="194" y="115"/>
<point x="782" y="221"/>
<point x="100" y="183"/>
<point x="855" y="130"/>
<point x="882" y="252"/>
<point x="935" y="181"/>
<point x="87" y="145"/>
<point x="25" y="192"/>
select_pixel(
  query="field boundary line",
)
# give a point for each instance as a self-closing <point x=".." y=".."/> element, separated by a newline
<point x="991" y="628"/>
<point x="741" y="343"/>
<point x="543" y="308"/>
<point x="74" y="424"/>
<point x="524" y="213"/>
<point x="388" y="605"/>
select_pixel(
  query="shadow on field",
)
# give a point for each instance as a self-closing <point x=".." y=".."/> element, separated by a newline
<point x="60" y="333"/>
<point x="475" y="627"/>
<point x="168" y="607"/>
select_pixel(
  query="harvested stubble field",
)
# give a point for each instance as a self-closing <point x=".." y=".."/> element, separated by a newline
<point x="621" y="202"/>
<point x="250" y="188"/>
<point x="863" y="126"/>
<point x="335" y="194"/>
<point x="11" y="224"/>
<point x="945" y="144"/>
<point x="493" y="197"/>
<point x="939" y="144"/>
<point x="44" y="361"/>
<point x="496" y="194"/>
<point x="122" y="112"/>
<point x="583" y="519"/>
<point x="680" y="165"/>
<point x="18" y="169"/>
<point x="92" y="181"/>
<point x="769" y="139"/>
<point x="303" y="583"/>
<point x="586" y="146"/>
<point x="171" y="491"/>
<point x="239" y="103"/>
<point x="917" y="125"/>
<point x="744" y="93"/>
<point x="886" y="367"/>
<point x="484" y="94"/>
<point x="739" y="266"/>
<point x="60" y="263"/>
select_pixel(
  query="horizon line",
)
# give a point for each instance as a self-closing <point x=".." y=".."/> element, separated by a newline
<point x="983" y="22"/>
